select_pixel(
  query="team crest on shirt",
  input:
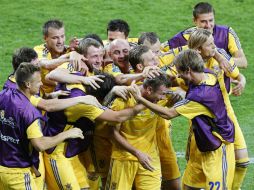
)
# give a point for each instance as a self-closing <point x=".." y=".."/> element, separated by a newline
<point x="216" y="69"/>
<point x="70" y="67"/>
<point x="6" y="121"/>
<point x="45" y="51"/>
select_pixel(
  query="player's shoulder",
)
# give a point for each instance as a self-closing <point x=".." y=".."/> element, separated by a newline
<point x="189" y="31"/>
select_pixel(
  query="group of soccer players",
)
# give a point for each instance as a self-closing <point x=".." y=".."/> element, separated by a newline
<point x="97" y="114"/>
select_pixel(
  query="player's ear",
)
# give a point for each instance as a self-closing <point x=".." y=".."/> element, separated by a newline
<point x="44" y="37"/>
<point x="149" y="90"/>
<point x="199" y="50"/>
<point x="194" y="21"/>
<point x="140" y="67"/>
<point x="27" y="84"/>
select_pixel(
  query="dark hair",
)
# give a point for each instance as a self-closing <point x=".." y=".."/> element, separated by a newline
<point x="24" y="54"/>
<point x="151" y="37"/>
<point x="85" y="43"/>
<point x="156" y="82"/>
<point x="135" y="55"/>
<point x="118" y="25"/>
<point x="202" y="8"/>
<point x="24" y="72"/>
<point x="189" y="59"/>
<point x="94" y="36"/>
<point x="105" y="86"/>
<point x="57" y="24"/>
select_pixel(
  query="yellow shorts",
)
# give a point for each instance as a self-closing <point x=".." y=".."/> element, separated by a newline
<point x="169" y="166"/>
<point x="64" y="173"/>
<point x="97" y="157"/>
<point x="124" y="173"/>
<point x="210" y="170"/>
<point x="17" y="181"/>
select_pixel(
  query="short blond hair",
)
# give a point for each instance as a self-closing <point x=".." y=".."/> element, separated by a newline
<point x="198" y="38"/>
<point x="189" y="59"/>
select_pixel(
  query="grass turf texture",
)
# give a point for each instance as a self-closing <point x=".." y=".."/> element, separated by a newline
<point x="21" y="22"/>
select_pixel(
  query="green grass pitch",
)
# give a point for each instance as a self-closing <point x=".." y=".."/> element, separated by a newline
<point x="21" y="22"/>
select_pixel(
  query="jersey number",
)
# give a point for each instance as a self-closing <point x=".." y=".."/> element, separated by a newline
<point x="214" y="186"/>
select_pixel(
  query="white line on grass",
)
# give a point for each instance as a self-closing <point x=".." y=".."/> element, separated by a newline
<point x="182" y="155"/>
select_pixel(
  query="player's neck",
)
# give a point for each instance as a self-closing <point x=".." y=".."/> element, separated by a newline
<point x="26" y="92"/>
<point x="199" y="78"/>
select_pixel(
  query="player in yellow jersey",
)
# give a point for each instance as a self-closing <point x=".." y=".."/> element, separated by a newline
<point x="211" y="163"/>
<point x="93" y="52"/>
<point x="25" y="137"/>
<point x="142" y="57"/>
<point x="119" y="29"/>
<point x="121" y="68"/>
<point x="202" y="40"/>
<point x="151" y="40"/>
<point x="53" y="52"/>
<point x="224" y="36"/>
<point x="135" y="155"/>
<point x="59" y="165"/>
<point x="26" y="54"/>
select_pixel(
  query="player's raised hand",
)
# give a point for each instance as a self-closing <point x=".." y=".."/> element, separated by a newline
<point x="240" y="83"/>
<point x="74" y="133"/>
<point x="145" y="160"/>
<point x="58" y="93"/>
<point x="223" y="62"/>
<point x="151" y="72"/>
<point x="121" y="91"/>
<point x="238" y="88"/>
<point x="74" y="42"/>
<point x="134" y="90"/>
<point x="91" y="100"/>
<point x="173" y="97"/>
<point x="78" y="62"/>
<point x="92" y="81"/>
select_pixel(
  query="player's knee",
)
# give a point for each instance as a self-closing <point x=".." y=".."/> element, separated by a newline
<point x="174" y="184"/>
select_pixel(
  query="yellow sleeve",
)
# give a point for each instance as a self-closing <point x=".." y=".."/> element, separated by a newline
<point x="35" y="100"/>
<point x="118" y="104"/>
<point x="164" y="46"/>
<point x="34" y="130"/>
<point x="186" y="36"/>
<point x="191" y="109"/>
<point x="233" y="42"/>
<point x="82" y="110"/>
<point x="42" y="52"/>
<point x="112" y="69"/>
<point x="166" y="58"/>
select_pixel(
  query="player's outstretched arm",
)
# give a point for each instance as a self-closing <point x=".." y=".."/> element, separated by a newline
<point x="162" y="111"/>
<point x="120" y="116"/>
<point x="44" y="143"/>
<point x="240" y="59"/>
<point x="52" y="105"/>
